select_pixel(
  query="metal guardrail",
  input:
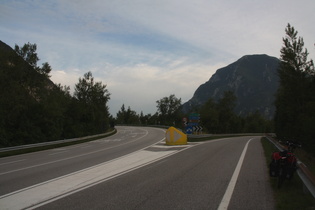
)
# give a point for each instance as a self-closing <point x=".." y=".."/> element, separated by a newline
<point x="306" y="176"/>
<point x="27" y="146"/>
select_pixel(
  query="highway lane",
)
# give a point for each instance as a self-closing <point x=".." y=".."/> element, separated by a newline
<point x="197" y="177"/>
<point x="22" y="171"/>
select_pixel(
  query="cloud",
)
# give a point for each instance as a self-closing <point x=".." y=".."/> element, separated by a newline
<point x="145" y="50"/>
<point x="140" y="86"/>
<point x="69" y="78"/>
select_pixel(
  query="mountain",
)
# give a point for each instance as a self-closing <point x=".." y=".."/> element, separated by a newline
<point x="252" y="78"/>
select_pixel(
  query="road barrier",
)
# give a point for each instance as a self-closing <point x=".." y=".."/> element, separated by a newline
<point x="28" y="146"/>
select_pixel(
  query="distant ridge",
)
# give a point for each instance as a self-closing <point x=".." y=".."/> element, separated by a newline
<point x="252" y="78"/>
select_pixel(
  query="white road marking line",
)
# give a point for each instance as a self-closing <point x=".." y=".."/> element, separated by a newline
<point x="169" y="147"/>
<point x="101" y="141"/>
<point x="43" y="193"/>
<point x="59" y="149"/>
<point x="57" y="153"/>
<point x="87" y="146"/>
<point x="229" y="191"/>
<point x="16" y="161"/>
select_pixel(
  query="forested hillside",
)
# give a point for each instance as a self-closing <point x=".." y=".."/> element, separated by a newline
<point x="34" y="109"/>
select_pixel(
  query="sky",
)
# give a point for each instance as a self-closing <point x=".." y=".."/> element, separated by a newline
<point x="144" y="50"/>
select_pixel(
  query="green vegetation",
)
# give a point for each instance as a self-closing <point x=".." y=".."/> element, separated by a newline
<point x="291" y="195"/>
<point x="221" y="118"/>
<point x="168" y="113"/>
<point x="216" y="118"/>
<point x="295" y="99"/>
<point x="169" y="110"/>
<point x="33" y="109"/>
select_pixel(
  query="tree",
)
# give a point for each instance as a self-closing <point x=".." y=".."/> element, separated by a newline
<point x="227" y="116"/>
<point x="120" y="116"/>
<point x="132" y="117"/>
<point x="45" y="69"/>
<point x="28" y="53"/>
<point x="91" y="92"/>
<point x="91" y="105"/>
<point x="295" y="96"/>
<point x="33" y="109"/>
<point x="255" y="123"/>
<point x="210" y="116"/>
<point x="293" y="55"/>
<point x="169" y="109"/>
<point x="127" y="116"/>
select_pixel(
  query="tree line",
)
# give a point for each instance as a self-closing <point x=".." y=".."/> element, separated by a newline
<point x="33" y="109"/>
<point x="215" y="117"/>
<point x="168" y="113"/>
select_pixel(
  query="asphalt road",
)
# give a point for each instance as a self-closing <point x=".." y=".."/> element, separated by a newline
<point x="145" y="174"/>
<point x="21" y="171"/>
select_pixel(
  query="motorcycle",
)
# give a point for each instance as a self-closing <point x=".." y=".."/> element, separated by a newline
<point x="282" y="166"/>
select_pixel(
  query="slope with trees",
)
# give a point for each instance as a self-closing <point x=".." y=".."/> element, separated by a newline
<point x="33" y="109"/>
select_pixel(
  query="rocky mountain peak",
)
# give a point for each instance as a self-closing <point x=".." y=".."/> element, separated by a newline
<point x="252" y="78"/>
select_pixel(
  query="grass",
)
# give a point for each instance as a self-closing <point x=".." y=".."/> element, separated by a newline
<point x="292" y="194"/>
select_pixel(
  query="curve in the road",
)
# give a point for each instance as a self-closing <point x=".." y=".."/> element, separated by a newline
<point x="43" y="193"/>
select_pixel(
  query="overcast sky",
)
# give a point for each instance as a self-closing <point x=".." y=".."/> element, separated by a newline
<point x="144" y="50"/>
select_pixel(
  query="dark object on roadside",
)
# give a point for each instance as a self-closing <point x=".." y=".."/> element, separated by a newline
<point x="283" y="165"/>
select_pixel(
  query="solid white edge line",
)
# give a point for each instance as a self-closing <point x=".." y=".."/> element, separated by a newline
<point x="16" y="161"/>
<point x="229" y="191"/>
